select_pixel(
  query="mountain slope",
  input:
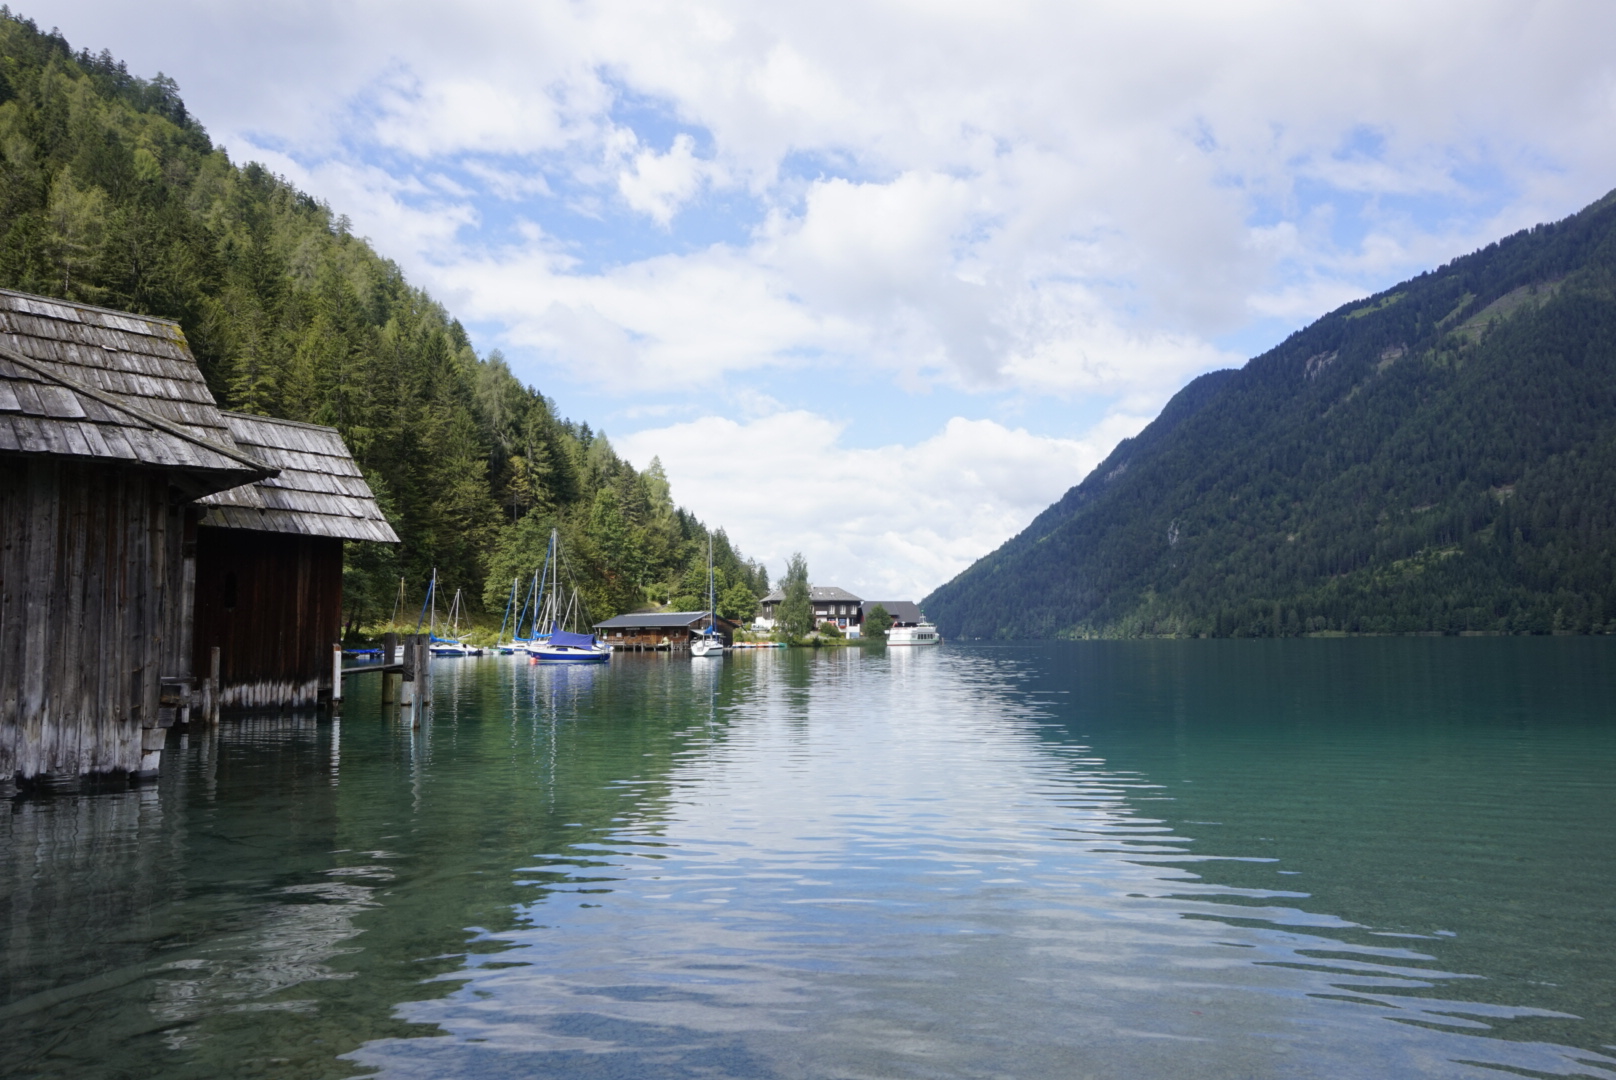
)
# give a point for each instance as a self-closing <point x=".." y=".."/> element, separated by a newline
<point x="1438" y="458"/>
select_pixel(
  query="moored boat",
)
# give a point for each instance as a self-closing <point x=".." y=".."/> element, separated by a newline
<point x="922" y="633"/>
<point x="709" y="642"/>
<point x="558" y="610"/>
<point x="562" y="647"/>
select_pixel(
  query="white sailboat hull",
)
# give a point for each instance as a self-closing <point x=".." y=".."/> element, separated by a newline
<point x="570" y="654"/>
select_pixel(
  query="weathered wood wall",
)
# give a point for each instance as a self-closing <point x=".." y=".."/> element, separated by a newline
<point x="88" y="577"/>
<point x="660" y="637"/>
<point x="272" y="603"/>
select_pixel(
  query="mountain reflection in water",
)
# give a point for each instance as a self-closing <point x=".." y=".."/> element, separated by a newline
<point x="1155" y="859"/>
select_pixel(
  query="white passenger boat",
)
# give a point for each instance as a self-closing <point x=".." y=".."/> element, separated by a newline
<point x="923" y="633"/>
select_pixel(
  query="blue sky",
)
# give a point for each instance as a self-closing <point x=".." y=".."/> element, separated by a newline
<point x="878" y="281"/>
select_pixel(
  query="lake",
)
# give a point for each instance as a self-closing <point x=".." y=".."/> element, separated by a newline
<point x="1241" y="859"/>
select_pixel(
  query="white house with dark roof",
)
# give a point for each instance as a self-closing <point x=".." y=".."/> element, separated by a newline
<point x="830" y="604"/>
<point x="903" y="612"/>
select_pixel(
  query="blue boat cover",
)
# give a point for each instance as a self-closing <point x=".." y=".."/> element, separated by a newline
<point x="577" y="641"/>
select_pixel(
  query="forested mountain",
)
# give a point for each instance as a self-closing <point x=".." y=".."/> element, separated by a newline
<point x="111" y="193"/>
<point x="1438" y="458"/>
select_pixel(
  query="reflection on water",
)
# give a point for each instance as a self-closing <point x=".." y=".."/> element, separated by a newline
<point x="1154" y="860"/>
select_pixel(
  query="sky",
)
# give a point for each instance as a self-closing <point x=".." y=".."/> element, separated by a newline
<point x="877" y="282"/>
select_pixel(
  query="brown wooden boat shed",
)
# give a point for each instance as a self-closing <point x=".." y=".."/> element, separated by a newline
<point x="107" y="435"/>
<point x="269" y="564"/>
<point x="659" y="629"/>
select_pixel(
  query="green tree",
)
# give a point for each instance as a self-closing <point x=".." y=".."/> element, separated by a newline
<point x="77" y="218"/>
<point x="738" y="603"/>
<point x="796" y="611"/>
<point x="618" y="564"/>
<point x="877" y="623"/>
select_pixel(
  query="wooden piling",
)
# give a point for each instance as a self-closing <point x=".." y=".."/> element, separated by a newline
<point x="406" y="687"/>
<point x="389" y="680"/>
<point x="424" y="669"/>
<point x="213" y="685"/>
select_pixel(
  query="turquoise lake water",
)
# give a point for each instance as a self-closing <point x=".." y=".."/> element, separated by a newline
<point x="1241" y="859"/>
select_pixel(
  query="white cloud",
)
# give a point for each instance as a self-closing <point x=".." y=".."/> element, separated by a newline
<point x="658" y="184"/>
<point x="889" y="523"/>
<point x="1044" y="197"/>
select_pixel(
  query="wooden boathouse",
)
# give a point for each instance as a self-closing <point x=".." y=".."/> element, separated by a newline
<point x="269" y="564"/>
<point x="659" y="630"/>
<point x="108" y="435"/>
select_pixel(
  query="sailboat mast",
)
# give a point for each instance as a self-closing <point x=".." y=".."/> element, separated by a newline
<point x="552" y="607"/>
<point x="427" y="603"/>
<point x="509" y="604"/>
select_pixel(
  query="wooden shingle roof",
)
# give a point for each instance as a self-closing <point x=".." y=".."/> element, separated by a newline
<point x="85" y="382"/>
<point x="319" y="491"/>
<point x="658" y="620"/>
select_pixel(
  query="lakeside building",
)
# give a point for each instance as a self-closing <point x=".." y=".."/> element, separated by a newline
<point x="109" y="442"/>
<point x="841" y="607"/>
<point x="903" y="612"/>
<point x="660" y="629"/>
<point x="830" y="604"/>
<point x="269" y="564"/>
<point x="108" y="435"/>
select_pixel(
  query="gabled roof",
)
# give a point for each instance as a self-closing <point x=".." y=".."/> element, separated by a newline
<point x="818" y="594"/>
<point x="319" y="492"/>
<point x="657" y="620"/>
<point x="85" y="382"/>
<point x="903" y="612"/>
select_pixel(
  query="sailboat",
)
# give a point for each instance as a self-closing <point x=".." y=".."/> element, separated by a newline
<point x="519" y="641"/>
<point x="532" y="603"/>
<point x="710" y="642"/>
<point x="438" y="645"/>
<point x="499" y="642"/>
<point x="457" y="608"/>
<point x="559" y="609"/>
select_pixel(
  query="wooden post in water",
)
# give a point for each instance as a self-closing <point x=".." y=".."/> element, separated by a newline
<point x="214" y="681"/>
<point x="406" y="695"/>
<point x="390" y="681"/>
<point x="336" y="678"/>
<point x="424" y="666"/>
<point x="423" y="678"/>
